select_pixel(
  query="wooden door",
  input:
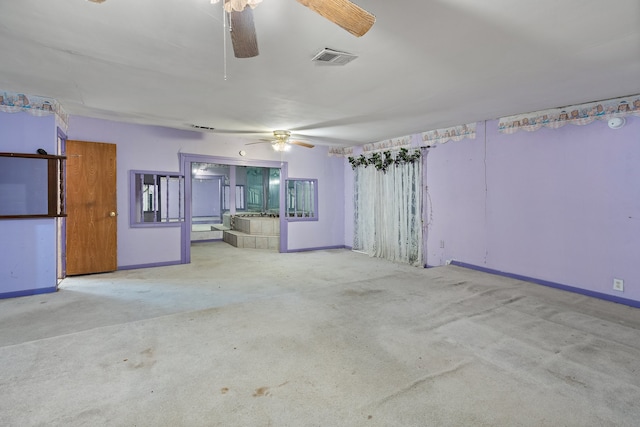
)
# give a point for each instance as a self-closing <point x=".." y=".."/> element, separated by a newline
<point x="91" y="207"/>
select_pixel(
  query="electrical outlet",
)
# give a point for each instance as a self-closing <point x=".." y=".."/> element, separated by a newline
<point x="442" y="244"/>
<point x="618" y="285"/>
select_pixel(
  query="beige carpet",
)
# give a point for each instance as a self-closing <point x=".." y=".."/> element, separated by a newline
<point x="245" y="337"/>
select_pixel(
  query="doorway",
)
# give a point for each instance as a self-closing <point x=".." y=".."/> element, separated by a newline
<point x="190" y="164"/>
<point x="208" y="184"/>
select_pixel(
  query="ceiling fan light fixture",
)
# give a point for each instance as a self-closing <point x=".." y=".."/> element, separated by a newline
<point x="237" y="5"/>
<point x="280" y="146"/>
<point x="281" y="134"/>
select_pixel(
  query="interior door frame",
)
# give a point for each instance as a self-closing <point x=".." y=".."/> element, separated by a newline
<point x="61" y="222"/>
<point x="426" y="207"/>
<point x="185" y="169"/>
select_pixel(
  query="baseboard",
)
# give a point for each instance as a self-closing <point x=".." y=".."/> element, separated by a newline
<point x="154" y="264"/>
<point x="28" y="292"/>
<point x="574" y="289"/>
<point x="322" y="248"/>
<point x="193" y="242"/>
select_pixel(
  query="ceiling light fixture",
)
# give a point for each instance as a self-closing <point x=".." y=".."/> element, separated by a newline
<point x="237" y="5"/>
<point x="282" y="137"/>
<point x="281" y="146"/>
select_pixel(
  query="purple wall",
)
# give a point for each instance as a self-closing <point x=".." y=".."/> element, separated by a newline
<point x="25" y="243"/>
<point x="560" y="205"/>
<point x="328" y="231"/>
<point x="142" y="147"/>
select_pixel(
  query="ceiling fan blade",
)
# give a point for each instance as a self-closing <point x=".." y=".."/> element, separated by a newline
<point x="344" y="13"/>
<point x="243" y="34"/>
<point x="302" y="144"/>
<point x="262" y="141"/>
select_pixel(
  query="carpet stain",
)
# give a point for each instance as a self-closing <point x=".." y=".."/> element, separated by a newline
<point x="146" y="360"/>
<point x="224" y="390"/>
<point x="262" y="391"/>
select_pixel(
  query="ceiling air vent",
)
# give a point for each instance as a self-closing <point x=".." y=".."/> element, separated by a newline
<point x="200" y="127"/>
<point x="333" y="57"/>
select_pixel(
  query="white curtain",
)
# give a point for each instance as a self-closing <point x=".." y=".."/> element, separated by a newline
<point x="387" y="212"/>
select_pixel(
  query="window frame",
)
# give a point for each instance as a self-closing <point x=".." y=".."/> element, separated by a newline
<point x="133" y="202"/>
<point x="226" y="203"/>
<point x="53" y="195"/>
<point x="314" y="184"/>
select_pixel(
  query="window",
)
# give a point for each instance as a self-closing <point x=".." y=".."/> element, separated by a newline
<point x="31" y="185"/>
<point x="240" y="204"/>
<point x="157" y="198"/>
<point x="302" y="199"/>
<point x="263" y="189"/>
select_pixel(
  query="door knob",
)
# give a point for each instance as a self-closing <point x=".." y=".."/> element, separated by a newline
<point x="112" y="214"/>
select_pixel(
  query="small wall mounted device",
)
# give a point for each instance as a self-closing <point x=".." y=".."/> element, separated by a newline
<point x="616" y="122"/>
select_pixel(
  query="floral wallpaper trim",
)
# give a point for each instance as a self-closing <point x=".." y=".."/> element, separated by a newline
<point x="390" y="144"/>
<point x="340" y="151"/>
<point x="11" y="102"/>
<point x="581" y="114"/>
<point x="455" y="133"/>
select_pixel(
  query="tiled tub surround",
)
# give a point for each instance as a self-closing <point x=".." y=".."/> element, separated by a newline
<point x="254" y="231"/>
<point x="258" y="225"/>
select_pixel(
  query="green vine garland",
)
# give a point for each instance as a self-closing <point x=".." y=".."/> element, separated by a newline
<point x="383" y="160"/>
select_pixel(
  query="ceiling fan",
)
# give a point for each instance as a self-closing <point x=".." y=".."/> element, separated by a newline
<point x="281" y="141"/>
<point x="343" y="13"/>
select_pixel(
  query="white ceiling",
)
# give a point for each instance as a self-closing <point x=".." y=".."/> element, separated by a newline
<point x="424" y="64"/>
